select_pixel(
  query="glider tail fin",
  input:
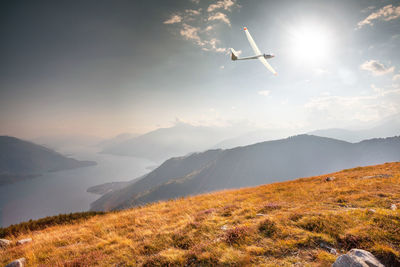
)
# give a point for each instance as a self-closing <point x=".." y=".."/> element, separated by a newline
<point x="233" y="54"/>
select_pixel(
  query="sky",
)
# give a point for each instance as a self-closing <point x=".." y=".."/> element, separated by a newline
<point x="107" y="67"/>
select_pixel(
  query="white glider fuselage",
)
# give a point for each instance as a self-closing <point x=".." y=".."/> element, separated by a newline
<point x="234" y="57"/>
<point x="262" y="57"/>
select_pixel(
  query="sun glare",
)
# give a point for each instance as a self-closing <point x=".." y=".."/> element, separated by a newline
<point x="311" y="44"/>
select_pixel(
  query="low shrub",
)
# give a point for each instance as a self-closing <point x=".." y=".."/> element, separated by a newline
<point x="235" y="235"/>
<point x="267" y="228"/>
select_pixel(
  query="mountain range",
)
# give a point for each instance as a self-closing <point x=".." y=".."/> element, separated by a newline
<point x="184" y="138"/>
<point x="21" y="160"/>
<point x="266" y="162"/>
<point x="389" y="126"/>
<point x="164" y="143"/>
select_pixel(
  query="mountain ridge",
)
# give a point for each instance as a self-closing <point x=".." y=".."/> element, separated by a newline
<point x="22" y="159"/>
<point x="266" y="162"/>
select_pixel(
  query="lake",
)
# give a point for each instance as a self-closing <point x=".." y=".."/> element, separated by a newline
<point x="65" y="191"/>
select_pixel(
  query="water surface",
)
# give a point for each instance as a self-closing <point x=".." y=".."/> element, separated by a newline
<point x="65" y="191"/>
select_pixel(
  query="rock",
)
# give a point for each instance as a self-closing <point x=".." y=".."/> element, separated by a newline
<point x="17" y="263"/>
<point x="329" y="178"/>
<point x="224" y="227"/>
<point x="328" y="248"/>
<point x="4" y="243"/>
<point x="393" y="207"/>
<point x="357" y="258"/>
<point x="368" y="177"/>
<point x="377" y="176"/>
<point x="24" y="241"/>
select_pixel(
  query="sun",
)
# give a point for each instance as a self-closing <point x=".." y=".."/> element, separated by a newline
<point x="311" y="44"/>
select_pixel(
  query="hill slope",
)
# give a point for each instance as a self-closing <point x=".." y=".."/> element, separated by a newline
<point x="277" y="224"/>
<point x="21" y="159"/>
<point x="261" y="163"/>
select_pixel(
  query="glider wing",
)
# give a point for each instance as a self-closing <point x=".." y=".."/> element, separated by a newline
<point x="258" y="52"/>
<point x="266" y="64"/>
<point x="252" y="43"/>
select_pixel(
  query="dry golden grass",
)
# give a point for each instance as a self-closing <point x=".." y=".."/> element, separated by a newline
<point x="277" y="224"/>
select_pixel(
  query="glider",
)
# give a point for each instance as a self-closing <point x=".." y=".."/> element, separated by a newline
<point x="259" y="55"/>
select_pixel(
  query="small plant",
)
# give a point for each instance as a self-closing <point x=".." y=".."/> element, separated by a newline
<point x="235" y="235"/>
<point x="386" y="255"/>
<point x="156" y="260"/>
<point x="207" y="211"/>
<point x="295" y="217"/>
<point x="267" y="228"/>
<point x="182" y="241"/>
<point x="350" y="241"/>
<point x="227" y="210"/>
<point x="270" y="207"/>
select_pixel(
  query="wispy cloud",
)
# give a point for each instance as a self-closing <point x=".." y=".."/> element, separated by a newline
<point x="190" y="33"/>
<point x="209" y="28"/>
<point x="386" y="13"/>
<point x="367" y="9"/>
<point x="219" y="16"/>
<point x="173" y="19"/>
<point x="376" y="68"/>
<point x="211" y="45"/>
<point x="264" y="92"/>
<point x="201" y="26"/>
<point x="222" y="4"/>
<point x="193" y="11"/>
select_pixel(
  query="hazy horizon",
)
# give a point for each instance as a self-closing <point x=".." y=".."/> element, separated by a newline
<point x="102" y="68"/>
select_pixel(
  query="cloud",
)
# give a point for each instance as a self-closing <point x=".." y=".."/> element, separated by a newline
<point x="202" y="27"/>
<point x="368" y="9"/>
<point x="238" y="52"/>
<point x="190" y="33"/>
<point x="193" y="11"/>
<point x="396" y="77"/>
<point x="376" y="68"/>
<point x="211" y="45"/>
<point x="386" y="13"/>
<point x="342" y="109"/>
<point x="264" y="92"/>
<point x="173" y="19"/>
<point x="219" y="16"/>
<point x="224" y="4"/>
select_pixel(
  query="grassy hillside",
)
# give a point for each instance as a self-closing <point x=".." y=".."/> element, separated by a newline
<point x="276" y="224"/>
